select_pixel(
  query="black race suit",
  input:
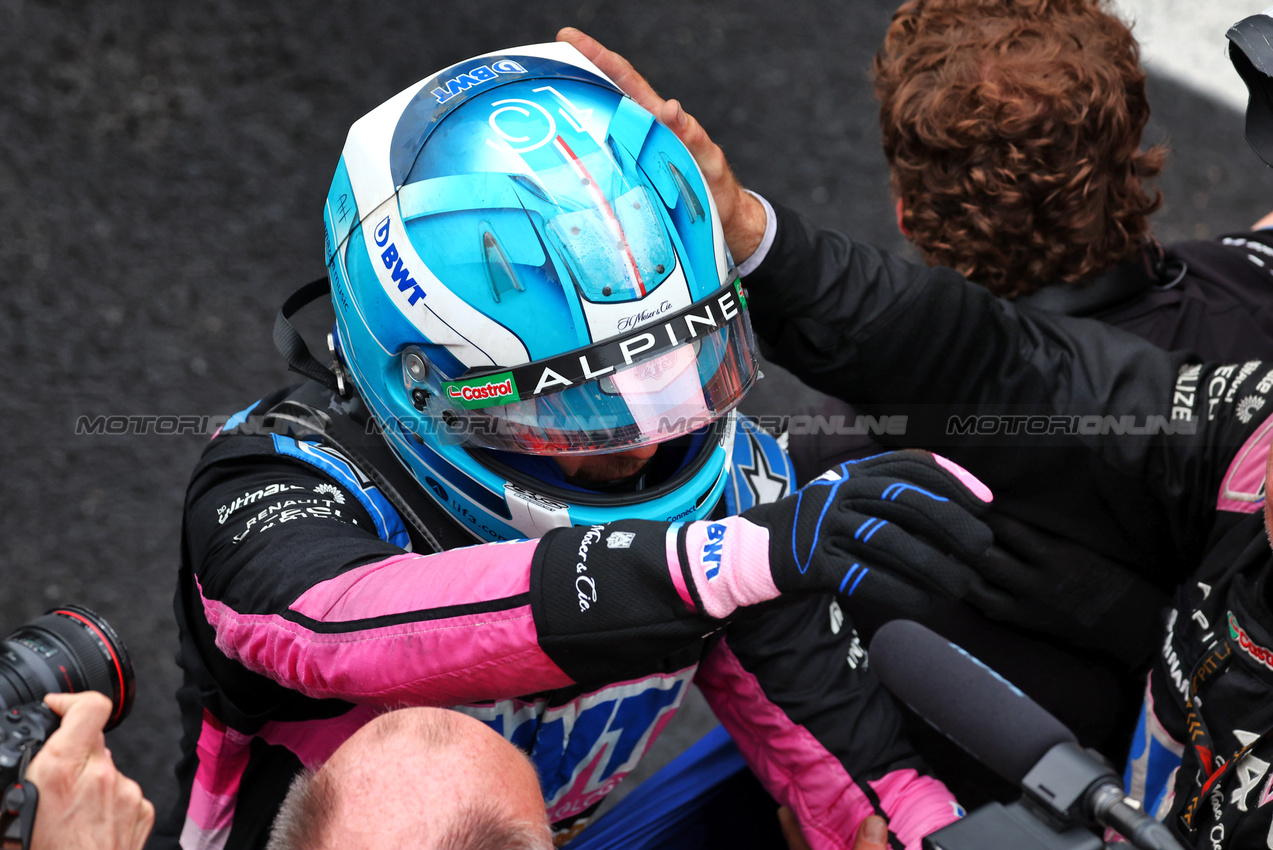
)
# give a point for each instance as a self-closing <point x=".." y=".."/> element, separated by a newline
<point x="304" y="610"/>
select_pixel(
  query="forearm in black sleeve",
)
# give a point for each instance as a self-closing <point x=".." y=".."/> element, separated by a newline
<point x="792" y="684"/>
<point x="1036" y="404"/>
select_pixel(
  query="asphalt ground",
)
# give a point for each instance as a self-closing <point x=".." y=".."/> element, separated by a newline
<point x="162" y="172"/>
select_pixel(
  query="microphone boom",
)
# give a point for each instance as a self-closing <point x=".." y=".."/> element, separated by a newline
<point x="1066" y="787"/>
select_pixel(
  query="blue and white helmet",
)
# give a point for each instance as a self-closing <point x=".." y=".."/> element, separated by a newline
<point x="525" y="263"/>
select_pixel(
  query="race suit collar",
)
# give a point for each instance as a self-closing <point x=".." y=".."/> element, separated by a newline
<point x="1127" y="281"/>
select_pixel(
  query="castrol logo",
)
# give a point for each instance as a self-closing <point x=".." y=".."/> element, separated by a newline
<point x="482" y="392"/>
<point x="1250" y="647"/>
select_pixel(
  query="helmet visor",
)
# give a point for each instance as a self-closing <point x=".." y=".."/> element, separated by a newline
<point x="665" y="379"/>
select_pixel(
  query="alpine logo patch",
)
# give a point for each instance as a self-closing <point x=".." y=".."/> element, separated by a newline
<point x="1250" y="647"/>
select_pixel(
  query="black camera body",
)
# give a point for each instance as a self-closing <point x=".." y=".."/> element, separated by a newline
<point x="1015" y="826"/>
<point x="1251" y="51"/>
<point x="1055" y="812"/>
<point x="68" y="649"/>
<point x="23" y="730"/>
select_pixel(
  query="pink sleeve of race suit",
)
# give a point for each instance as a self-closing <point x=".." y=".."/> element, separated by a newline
<point x="440" y="630"/>
<point x="802" y="774"/>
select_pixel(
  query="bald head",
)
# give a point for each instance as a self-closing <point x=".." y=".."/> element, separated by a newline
<point x="417" y="778"/>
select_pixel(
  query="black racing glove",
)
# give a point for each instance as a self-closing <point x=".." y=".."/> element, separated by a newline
<point x="890" y="530"/>
<point x="881" y="531"/>
<point x="1054" y="586"/>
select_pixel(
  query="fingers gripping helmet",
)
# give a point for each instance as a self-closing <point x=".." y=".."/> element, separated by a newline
<point x="525" y="263"/>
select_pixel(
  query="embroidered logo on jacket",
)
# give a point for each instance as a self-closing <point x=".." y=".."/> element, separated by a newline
<point x="620" y="539"/>
<point x="331" y="490"/>
<point x="1250" y="647"/>
<point x="224" y="511"/>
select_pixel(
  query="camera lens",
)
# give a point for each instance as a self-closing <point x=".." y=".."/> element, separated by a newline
<point x="66" y="650"/>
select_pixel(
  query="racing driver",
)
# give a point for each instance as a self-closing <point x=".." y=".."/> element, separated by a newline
<point x="539" y="341"/>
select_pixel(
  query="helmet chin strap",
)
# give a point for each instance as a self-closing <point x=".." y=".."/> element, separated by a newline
<point x="289" y="343"/>
<point x="319" y="423"/>
<point x="338" y="369"/>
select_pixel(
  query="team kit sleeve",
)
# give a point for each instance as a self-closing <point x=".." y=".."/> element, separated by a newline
<point x="788" y="679"/>
<point x="1058" y="414"/>
<point x="302" y="578"/>
<point x="791" y="683"/>
<point x="299" y="579"/>
<point x="296" y="582"/>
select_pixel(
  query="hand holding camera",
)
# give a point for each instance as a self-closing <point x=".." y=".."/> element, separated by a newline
<point x="59" y="788"/>
<point x="85" y="803"/>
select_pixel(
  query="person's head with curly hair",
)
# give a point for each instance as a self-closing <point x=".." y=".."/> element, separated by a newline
<point x="1013" y="130"/>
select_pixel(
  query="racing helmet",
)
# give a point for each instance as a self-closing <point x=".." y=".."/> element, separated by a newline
<point x="525" y="263"/>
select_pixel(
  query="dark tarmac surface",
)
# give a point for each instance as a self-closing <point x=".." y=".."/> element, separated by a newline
<point x="162" y="174"/>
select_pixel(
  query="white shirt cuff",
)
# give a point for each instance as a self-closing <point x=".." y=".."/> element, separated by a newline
<point x="757" y="257"/>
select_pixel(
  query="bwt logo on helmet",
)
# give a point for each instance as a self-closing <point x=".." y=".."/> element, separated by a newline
<point x="483" y="392"/>
<point x="712" y="546"/>
<point x="389" y="256"/>
<point x="480" y="74"/>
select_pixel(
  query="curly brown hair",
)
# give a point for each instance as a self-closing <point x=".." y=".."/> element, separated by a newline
<point x="1013" y="129"/>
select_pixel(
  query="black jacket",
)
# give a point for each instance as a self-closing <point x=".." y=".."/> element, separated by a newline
<point x="1037" y="404"/>
<point x="1188" y="771"/>
<point x="1209" y="297"/>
